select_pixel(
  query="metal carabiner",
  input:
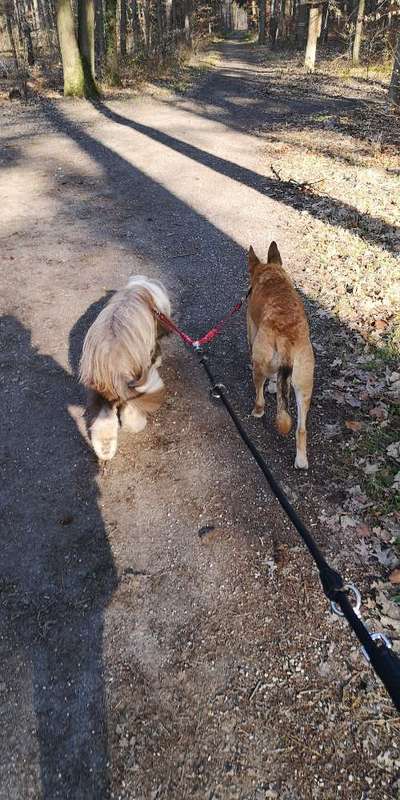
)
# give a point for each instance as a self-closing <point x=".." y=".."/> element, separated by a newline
<point x="214" y="390"/>
<point x="356" y="608"/>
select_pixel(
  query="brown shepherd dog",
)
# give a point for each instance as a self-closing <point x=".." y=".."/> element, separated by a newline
<point x="279" y="341"/>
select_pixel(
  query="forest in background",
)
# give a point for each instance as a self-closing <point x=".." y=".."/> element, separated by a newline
<point x="93" y="43"/>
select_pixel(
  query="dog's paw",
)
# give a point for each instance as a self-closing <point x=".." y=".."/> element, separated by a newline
<point x="272" y="386"/>
<point x="258" y="412"/>
<point x="301" y="461"/>
<point x="104" y="435"/>
<point x="132" y="419"/>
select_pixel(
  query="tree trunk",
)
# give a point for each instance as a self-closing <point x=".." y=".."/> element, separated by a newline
<point x="26" y="33"/>
<point x="74" y="80"/>
<point x="168" y="14"/>
<point x="86" y="42"/>
<point x="358" y="33"/>
<point x="301" y="24"/>
<point x="122" y="28"/>
<point x="18" y="19"/>
<point x="394" y="89"/>
<point x="325" y="25"/>
<point x="147" y="25"/>
<point x="99" y="36"/>
<point x="9" y="26"/>
<point x="188" y="22"/>
<point x="160" y="29"/>
<point x="261" y="21"/>
<point x="314" y="27"/>
<point x="136" y="29"/>
<point x="111" y="44"/>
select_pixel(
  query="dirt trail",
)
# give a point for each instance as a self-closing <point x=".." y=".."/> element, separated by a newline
<point x="144" y="658"/>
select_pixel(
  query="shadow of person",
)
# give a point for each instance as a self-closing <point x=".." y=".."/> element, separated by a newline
<point x="57" y="576"/>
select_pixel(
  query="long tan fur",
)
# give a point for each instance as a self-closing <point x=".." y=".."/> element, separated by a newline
<point x="280" y="345"/>
<point x="119" y="361"/>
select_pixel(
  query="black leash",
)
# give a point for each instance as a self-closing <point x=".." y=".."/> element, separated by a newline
<point x="376" y="646"/>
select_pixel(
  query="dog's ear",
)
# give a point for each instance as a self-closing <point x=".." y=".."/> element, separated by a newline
<point x="253" y="260"/>
<point x="274" y="256"/>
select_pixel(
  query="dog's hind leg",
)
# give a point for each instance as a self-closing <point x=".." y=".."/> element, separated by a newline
<point x="262" y="356"/>
<point x="283" y="383"/>
<point x="132" y="419"/>
<point x="104" y="432"/>
<point x="302" y="379"/>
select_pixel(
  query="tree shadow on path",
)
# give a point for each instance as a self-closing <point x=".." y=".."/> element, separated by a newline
<point x="323" y="207"/>
<point x="57" y="576"/>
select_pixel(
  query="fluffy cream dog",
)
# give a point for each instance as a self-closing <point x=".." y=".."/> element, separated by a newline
<point x="120" y="360"/>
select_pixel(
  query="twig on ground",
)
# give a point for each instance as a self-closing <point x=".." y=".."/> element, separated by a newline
<point x="253" y="691"/>
<point x="304" y="186"/>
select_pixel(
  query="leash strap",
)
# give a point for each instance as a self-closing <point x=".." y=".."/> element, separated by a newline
<point x="207" y="337"/>
<point x="376" y="647"/>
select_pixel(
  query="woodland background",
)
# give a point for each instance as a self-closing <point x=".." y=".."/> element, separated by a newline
<point x="90" y="44"/>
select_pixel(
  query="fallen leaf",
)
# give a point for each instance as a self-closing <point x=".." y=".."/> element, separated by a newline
<point x="362" y="550"/>
<point x="363" y="530"/>
<point x="380" y="324"/>
<point x="396" y="482"/>
<point x="353" y="425"/>
<point x="332" y="430"/>
<point x="338" y="396"/>
<point x="385" y="555"/>
<point x="348" y="522"/>
<point x="394" y="451"/>
<point x="352" y="401"/>
<point x="394" y="576"/>
<point x="379" y="412"/>
<point x="371" y="469"/>
<point x="341" y="383"/>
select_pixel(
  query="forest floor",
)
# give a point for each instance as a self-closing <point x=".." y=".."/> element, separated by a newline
<point x="163" y="630"/>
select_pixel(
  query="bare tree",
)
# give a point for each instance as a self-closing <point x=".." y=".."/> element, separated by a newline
<point x="394" y="89"/>
<point x="7" y="10"/>
<point x="261" y="22"/>
<point x="86" y="19"/>
<point x="26" y="33"/>
<point x="76" y="83"/>
<point x="301" y="24"/>
<point x="168" y="13"/>
<point x="122" y="28"/>
<point x="314" y="29"/>
<point x="188" y="21"/>
<point x="111" y="43"/>
<point x="358" y="32"/>
<point x="136" y="29"/>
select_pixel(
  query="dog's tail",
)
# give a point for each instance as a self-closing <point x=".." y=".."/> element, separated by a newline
<point x="283" y="384"/>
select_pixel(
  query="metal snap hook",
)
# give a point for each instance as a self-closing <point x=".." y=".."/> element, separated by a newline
<point x="214" y="391"/>
<point x="349" y="587"/>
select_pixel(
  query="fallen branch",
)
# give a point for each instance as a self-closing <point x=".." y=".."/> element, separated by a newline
<point x="304" y="186"/>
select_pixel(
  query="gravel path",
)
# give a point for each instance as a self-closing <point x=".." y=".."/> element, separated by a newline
<point x="163" y="634"/>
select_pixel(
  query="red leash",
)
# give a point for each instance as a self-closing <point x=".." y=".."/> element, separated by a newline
<point x="209" y="336"/>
